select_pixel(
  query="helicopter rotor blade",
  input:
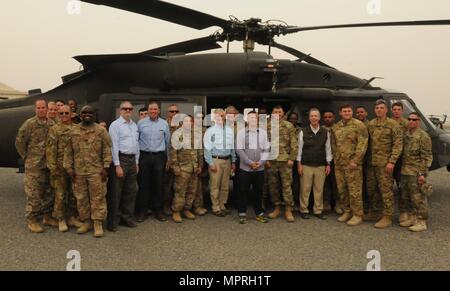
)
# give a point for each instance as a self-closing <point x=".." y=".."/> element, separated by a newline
<point x="189" y="46"/>
<point x="294" y="29"/>
<point x="165" y="11"/>
<point x="300" y="55"/>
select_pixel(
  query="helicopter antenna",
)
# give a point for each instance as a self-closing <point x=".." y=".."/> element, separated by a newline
<point x="369" y="81"/>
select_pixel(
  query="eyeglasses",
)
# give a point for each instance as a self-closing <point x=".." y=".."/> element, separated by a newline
<point x="126" y="109"/>
<point x="413" y="119"/>
<point x="174" y="111"/>
<point x="64" y="113"/>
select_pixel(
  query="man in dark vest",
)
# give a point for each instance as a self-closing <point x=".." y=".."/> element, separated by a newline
<point x="314" y="158"/>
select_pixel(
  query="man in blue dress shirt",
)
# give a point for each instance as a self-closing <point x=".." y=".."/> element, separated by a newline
<point x="221" y="157"/>
<point x="154" y="138"/>
<point x="125" y="154"/>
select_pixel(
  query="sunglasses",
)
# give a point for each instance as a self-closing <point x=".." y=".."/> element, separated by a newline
<point x="174" y="111"/>
<point x="64" y="113"/>
<point x="413" y="119"/>
<point x="126" y="109"/>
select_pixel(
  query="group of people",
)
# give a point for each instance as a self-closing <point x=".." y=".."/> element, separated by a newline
<point x="79" y="173"/>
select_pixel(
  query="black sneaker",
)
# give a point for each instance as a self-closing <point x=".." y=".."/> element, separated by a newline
<point x="305" y="215"/>
<point x="160" y="217"/>
<point x="262" y="219"/>
<point x="242" y="220"/>
<point x="141" y="217"/>
<point x="112" y="228"/>
<point x="128" y="223"/>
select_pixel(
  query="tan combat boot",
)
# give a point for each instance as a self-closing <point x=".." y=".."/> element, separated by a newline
<point x="384" y="222"/>
<point x="85" y="227"/>
<point x="372" y="216"/>
<point x="188" y="214"/>
<point x="34" y="226"/>
<point x="275" y="213"/>
<point x="98" y="228"/>
<point x="49" y="220"/>
<point x="62" y="226"/>
<point x="420" y="225"/>
<point x="73" y="221"/>
<point x="403" y="217"/>
<point x="345" y="217"/>
<point x="356" y="220"/>
<point x="409" y="222"/>
<point x="176" y="217"/>
<point x="288" y="214"/>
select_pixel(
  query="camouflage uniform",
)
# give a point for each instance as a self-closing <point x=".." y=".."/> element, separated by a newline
<point x="403" y="205"/>
<point x="417" y="158"/>
<point x="349" y="143"/>
<point x="386" y="142"/>
<point x="57" y="141"/>
<point x="169" y="178"/>
<point x="366" y="201"/>
<point x="202" y="181"/>
<point x="30" y="142"/>
<point x="279" y="169"/>
<point x="87" y="154"/>
<point x="186" y="162"/>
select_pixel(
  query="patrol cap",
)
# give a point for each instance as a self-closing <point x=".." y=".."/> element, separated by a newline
<point x="426" y="189"/>
<point x="380" y="101"/>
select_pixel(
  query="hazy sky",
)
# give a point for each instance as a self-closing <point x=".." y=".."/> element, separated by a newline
<point x="39" y="38"/>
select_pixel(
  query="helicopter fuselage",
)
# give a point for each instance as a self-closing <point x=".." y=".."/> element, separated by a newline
<point x="245" y="80"/>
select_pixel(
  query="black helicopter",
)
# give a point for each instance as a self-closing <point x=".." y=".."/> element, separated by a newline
<point x="247" y="80"/>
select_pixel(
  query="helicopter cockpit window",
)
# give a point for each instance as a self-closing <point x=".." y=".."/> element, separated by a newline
<point x="408" y="108"/>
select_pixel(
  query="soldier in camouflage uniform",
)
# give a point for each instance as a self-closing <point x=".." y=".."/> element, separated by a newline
<point x="293" y="118"/>
<point x="30" y="141"/>
<point x="202" y="181"/>
<point x="87" y="159"/>
<point x="386" y="143"/>
<point x="186" y="162"/>
<point x="65" y="204"/>
<point x="280" y="169"/>
<point x="169" y="177"/>
<point x="397" y="115"/>
<point x="362" y="114"/>
<point x="349" y="143"/>
<point x="417" y="158"/>
<point x="52" y="112"/>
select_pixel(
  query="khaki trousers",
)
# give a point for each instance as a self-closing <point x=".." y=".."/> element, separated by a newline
<point x="219" y="184"/>
<point x="313" y="178"/>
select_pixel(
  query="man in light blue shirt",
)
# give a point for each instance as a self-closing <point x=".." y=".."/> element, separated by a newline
<point x="220" y="156"/>
<point x="154" y="141"/>
<point x="125" y="154"/>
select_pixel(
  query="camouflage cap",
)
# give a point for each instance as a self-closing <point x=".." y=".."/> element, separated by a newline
<point x="426" y="189"/>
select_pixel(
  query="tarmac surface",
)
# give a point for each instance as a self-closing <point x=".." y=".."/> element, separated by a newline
<point x="212" y="243"/>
